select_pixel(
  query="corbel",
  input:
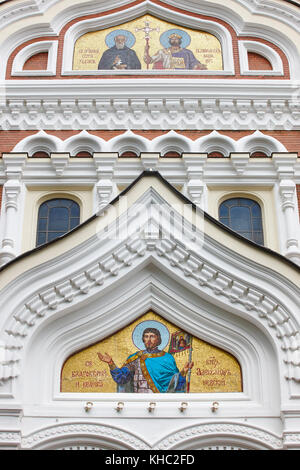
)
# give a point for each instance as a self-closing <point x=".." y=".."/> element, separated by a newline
<point x="60" y="162"/>
<point x="150" y="161"/>
<point x="239" y="162"/>
<point x="105" y="186"/>
<point x="194" y="164"/>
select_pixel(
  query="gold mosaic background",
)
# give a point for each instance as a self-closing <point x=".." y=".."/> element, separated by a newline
<point x="214" y="369"/>
<point x="90" y="47"/>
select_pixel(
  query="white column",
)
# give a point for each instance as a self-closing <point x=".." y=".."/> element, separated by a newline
<point x="284" y="164"/>
<point x="14" y="165"/>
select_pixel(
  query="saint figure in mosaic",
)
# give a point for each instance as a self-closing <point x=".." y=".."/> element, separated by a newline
<point x="150" y="370"/>
<point x="174" y="55"/>
<point x="119" y="56"/>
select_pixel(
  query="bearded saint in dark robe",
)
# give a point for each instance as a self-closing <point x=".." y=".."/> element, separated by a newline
<point x="119" y="57"/>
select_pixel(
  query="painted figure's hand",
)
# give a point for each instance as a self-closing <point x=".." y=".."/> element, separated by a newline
<point x="188" y="365"/>
<point x="105" y="358"/>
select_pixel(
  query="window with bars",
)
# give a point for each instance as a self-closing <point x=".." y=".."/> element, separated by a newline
<point x="55" y="218"/>
<point x="244" y="217"/>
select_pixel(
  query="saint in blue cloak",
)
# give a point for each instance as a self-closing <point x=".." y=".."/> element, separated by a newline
<point x="145" y="371"/>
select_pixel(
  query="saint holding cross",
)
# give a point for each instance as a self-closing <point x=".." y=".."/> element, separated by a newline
<point x="174" y="55"/>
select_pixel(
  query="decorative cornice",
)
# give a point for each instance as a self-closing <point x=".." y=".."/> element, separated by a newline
<point x="151" y="112"/>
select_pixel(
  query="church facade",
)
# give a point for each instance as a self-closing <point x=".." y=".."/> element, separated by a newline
<point x="149" y="225"/>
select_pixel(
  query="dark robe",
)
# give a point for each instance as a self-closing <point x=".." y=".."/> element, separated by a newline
<point x="126" y="56"/>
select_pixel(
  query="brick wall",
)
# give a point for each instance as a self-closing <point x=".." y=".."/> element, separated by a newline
<point x="258" y="62"/>
<point x="37" y="62"/>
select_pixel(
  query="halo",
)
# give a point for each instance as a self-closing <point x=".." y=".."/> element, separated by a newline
<point x="137" y="333"/>
<point x="164" y="38"/>
<point x="110" y="38"/>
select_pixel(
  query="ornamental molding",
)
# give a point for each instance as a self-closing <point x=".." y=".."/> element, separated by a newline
<point x="153" y="112"/>
<point x="272" y="9"/>
<point x="56" y="434"/>
<point x="116" y="258"/>
<point x="291" y="439"/>
<point x="222" y="430"/>
<point x="9" y="437"/>
<point x="149" y="149"/>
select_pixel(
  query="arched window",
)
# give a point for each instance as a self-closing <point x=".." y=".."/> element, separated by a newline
<point x="244" y="217"/>
<point x="56" y="217"/>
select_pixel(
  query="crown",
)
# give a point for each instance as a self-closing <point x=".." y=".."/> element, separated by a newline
<point x="174" y="35"/>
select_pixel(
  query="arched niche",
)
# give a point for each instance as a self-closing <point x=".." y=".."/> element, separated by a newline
<point x="78" y="326"/>
<point x="139" y="24"/>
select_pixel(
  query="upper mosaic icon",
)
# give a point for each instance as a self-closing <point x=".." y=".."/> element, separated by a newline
<point x="147" y="43"/>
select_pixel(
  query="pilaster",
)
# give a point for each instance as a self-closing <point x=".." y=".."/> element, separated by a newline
<point x="285" y="167"/>
<point x="13" y="168"/>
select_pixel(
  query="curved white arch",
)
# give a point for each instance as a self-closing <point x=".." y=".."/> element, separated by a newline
<point x="39" y="142"/>
<point x="216" y="142"/>
<point x="220" y="433"/>
<point x="265" y="51"/>
<point x="259" y="142"/>
<point x="32" y="49"/>
<point x="83" y="142"/>
<point x="128" y="142"/>
<point x="172" y="142"/>
<point x="82" y="432"/>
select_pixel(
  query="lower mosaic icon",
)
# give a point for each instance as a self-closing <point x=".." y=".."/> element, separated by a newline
<point x="151" y="355"/>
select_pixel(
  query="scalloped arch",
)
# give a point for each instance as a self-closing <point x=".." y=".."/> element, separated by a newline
<point x="259" y="142"/>
<point x="40" y="142"/>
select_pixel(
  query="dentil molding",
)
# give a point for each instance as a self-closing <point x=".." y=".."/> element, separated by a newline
<point x="153" y="112"/>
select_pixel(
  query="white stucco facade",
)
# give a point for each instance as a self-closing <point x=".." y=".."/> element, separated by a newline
<point x="75" y="291"/>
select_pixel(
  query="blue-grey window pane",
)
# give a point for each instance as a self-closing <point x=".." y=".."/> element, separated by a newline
<point x="59" y="219"/>
<point x="56" y="217"/>
<point x="244" y="218"/>
<point x="41" y="238"/>
<point x="256" y="211"/>
<point x="74" y="222"/>
<point x="257" y="224"/>
<point x="246" y="235"/>
<point x="75" y="210"/>
<point x="53" y="203"/>
<point x="225" y="221"/>
<point x="223" y="212"/>
<point x="53" y="235"/>
<point x="42" y="225"/>
<point x="59" y="203"/>
<point x="240" y="219"/>
<point x="43" y="211"/>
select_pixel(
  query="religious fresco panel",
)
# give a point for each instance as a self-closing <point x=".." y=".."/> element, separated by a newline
<point x="147" y="43"/>
<point x="151" y="355"/>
